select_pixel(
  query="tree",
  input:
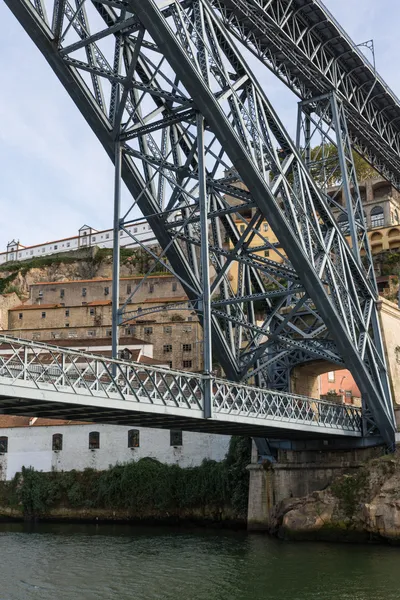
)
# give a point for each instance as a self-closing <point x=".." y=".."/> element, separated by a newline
<point x="325" y="167"/>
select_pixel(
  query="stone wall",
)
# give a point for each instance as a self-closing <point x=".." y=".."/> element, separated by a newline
<point x="389" y="316"/>
<point x="297" y="474"/>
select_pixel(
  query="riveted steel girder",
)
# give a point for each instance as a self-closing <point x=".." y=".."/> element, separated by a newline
<point x="145" y="77"/>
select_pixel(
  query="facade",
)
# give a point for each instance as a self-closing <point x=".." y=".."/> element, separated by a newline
<point x="47" y="445"/>
<point x="341" y="384"/>
<point x="87" y="237"/>
<point x="80" y="311"/>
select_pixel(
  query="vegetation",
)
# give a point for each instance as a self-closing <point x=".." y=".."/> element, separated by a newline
<point x="331" y="162"/>
<point x="348" y="490"/>
<point x="139" y="487"/>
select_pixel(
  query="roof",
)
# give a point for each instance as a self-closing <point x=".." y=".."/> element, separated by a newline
<point x="158" y="300"/>
<point x="102" y="279"/>
<point x="7" y="421"/>
<point x="42" y="306"/>
<point x="90" y="342"/>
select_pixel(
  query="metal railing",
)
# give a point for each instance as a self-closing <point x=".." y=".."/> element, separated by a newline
<point x="53" y="370"/>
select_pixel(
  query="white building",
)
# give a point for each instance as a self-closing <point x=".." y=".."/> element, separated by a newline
<point x="50" y="445"/>
<point x="87" y="237"/>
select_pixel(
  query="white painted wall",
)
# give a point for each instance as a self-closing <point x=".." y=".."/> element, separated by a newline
<point x="32" y="446"/>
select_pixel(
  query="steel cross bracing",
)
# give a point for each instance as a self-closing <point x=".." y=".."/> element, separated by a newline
<point x="171" y="99"/>
<point x="302" y="43"/>
<point x="95" y="388"/>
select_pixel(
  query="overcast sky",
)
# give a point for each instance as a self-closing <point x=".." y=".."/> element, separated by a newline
<point x="54" y="174"/>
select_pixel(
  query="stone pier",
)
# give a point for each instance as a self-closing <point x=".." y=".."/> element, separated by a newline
<point x="296" y="474"/>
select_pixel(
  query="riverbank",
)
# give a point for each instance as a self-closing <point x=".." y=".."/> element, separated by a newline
<point x="358" y="507"/>
<point x="143" y="491"/>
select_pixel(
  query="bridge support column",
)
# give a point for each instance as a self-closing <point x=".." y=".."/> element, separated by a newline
<point x="295" y="474"/>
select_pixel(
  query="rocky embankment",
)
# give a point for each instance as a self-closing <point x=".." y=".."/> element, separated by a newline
<point x="364" y="506"/>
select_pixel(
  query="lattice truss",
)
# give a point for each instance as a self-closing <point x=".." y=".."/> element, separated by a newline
<point x="142" y="75"/>
<point x="304" y="46"/>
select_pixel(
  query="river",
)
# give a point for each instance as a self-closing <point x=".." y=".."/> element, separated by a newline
<point x="119" y="562"/>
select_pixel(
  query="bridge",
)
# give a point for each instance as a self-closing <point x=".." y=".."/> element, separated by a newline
<point x="167" y="91"/>
<point x="62" y="383"/>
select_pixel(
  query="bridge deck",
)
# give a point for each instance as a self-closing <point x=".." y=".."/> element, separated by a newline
<point x="46" y="381"/>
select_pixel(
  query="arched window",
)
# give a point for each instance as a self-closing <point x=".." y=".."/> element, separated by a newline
<point x="94" y="440"/>
<point x="57" y="442"/>
<point x="377" y="217"/>
<point x="343" y="222"/>
<point x="133" y="438"/>
<point x="3" y="444"/>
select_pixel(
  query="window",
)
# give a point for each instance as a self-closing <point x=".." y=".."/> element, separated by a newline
<point x="20" y="315"/>
<point x="92" y="312"/>
<point x="265" y="227"/>
<point x="31" y="252"/>
<point x="43" y="315"/>
<point x="94" y="238"/>
<point x="108" y="332"/>
<point x="169" y="363"/>
<point x="107" y="236"/>
<point x="167" y="348"/>
<point x="91" y="334"/>
<point x="168" y="329"/>
<point x="174" y="286"/>
<point x="130" y="330"/>
<point x="67" y="325"/>
<point x="3" y="444"/>
<point x="83" y="291"/>
<point x="40" y="294"/>
<point x="377" y="217"/>
<point x="128" y="289"/>
<point x="148" y="330"/>
<point x="331" y="376"/>
<point x="68" y="244"/>
<point x="175" y="437"/>
<point x="133" y="438"/>
<point x="57" y="444"/>
<point x="94" y="440"/>
<point x="106" y="291"/>
<point x="241" y="228"/>
<point x="187" y="364"/>
<point x="62" y="293"/>
<point x="187" y="347"/>
<point x="55" y="247"/>
<point x="67" y="312"/>
<point x="151" y="288"/>
<point x="266" y="253"/>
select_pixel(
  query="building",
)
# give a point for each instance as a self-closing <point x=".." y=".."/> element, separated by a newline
<point x="56" y="445"/>
<point x="87" y="237"/>
<point x="159" y="313"/>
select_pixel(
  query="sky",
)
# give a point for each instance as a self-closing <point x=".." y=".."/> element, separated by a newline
<point x="54" y="174"/>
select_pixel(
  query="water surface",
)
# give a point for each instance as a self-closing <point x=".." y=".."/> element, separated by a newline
<point x="119" y="562"/>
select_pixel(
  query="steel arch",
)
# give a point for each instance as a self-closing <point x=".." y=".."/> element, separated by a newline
<point x="165" y="66"/>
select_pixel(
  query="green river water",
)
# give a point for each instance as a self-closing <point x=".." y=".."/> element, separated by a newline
<point x="120" y="562"/>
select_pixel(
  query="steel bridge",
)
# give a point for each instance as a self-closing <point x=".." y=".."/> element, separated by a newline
<point x="164" y="86"/>
<point x="62" y="383"/>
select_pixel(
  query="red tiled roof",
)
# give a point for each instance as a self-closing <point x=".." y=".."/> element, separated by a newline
<point x="89" y="342"/>
<point x="14" y="421"/>
<point x="158" y="300"/>
<point x="100" y="279"/>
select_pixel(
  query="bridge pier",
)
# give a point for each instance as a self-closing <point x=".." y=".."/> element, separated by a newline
<point x="296" y="473"/>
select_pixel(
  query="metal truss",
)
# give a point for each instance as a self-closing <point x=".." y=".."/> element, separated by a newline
<point x="302" y="43"/>
<point x="92" y="387"/>
<point x="167" y="92"/>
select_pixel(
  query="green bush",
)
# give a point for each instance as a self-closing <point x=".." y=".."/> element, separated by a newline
<point x="139" y="486"/>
